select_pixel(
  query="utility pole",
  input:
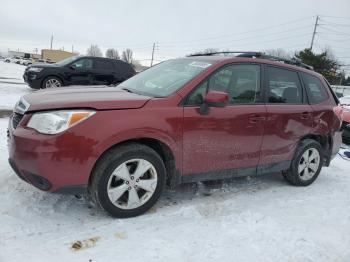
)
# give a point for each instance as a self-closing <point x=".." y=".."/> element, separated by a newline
<point x="314" y="33"/>
<point x="154" y="45"/>
<point x="72" y="48"/>
<point x="51" y="42"/>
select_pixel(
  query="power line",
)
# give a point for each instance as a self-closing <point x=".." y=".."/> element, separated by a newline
<point x="241" y="33"/>
<point x="336" y="24"/>
<point x="325" y="26"/>
<point x="337" y="17"/>
<point x="264" y="35"/>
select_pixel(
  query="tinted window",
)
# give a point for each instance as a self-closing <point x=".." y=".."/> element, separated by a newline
<point x="67" y="61"/>
<point x="104" y="65"/>
<point x="83" y="64"/>
<point x="241" y="82"/>
<point x="315" y="89"/>
<point x="283" y="86"/>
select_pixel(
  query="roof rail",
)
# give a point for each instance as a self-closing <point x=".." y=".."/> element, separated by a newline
<point x="261" y="55"/>
<point x="250" y="53"/>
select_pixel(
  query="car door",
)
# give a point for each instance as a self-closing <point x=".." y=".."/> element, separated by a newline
<point x="289" y="117"/>
<point x="80" y="72"/>
<point x="227" y="138"/>
<point x="103" y="72"/>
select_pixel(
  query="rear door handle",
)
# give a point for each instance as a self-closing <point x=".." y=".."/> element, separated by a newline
<point x="256" y="118"/>
<point x="305" y="115"/>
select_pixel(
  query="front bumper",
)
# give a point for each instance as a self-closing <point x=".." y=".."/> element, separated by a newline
<point x="56" y="163"/>
<point x="33" y="80"/>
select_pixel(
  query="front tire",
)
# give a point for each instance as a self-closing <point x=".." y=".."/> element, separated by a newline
<point x="128" y="180"/>
<point x="51" y="82"/>
<point x="306" y="165"/>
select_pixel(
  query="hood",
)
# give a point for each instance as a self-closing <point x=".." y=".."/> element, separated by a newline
<point x="43" y="65"/>
<point x="97" y="97"/>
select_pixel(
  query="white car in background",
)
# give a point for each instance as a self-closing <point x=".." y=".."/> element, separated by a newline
<point x="15" y="59"/>
<point x="25" y="61"/>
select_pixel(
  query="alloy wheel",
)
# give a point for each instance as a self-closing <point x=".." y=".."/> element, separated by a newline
<point x="132" y="184"/>
<point x="52" y="83"/>
<point x="309" y="164"/>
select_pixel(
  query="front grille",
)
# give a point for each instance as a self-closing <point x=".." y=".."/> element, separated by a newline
<point x="16" y="118"/>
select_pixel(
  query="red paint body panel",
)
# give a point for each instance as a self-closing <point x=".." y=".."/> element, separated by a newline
<point x="285" y="126"/>
<point x="235" y="136"/>
<point x="67" y="159"/>
<point x="84" y="97"/>
<point x="227" y="138"/>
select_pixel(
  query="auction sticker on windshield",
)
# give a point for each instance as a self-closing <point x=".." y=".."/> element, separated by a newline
<point x="200" y="64"/>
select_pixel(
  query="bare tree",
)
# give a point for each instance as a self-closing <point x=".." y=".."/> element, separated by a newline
<point x="94" y="50"/>
<point x="210" y="50"/>
<point x="279" y="52"/>
<point x="127" y="56"/>
<point x="206" y="51"/>
<point x="112" y="53"/>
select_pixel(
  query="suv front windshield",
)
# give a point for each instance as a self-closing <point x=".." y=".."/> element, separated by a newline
<point x="165" y="78"/>
<point x="66" y="61"/>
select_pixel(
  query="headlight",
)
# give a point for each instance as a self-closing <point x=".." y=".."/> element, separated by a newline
<point x="55" y="122"/>
<point x="35" y="69"/>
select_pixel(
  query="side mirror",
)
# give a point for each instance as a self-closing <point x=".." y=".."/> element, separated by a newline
<point x="213" y="99"/>
<point x="72" y="67"/>
<point x="216" y="99"/>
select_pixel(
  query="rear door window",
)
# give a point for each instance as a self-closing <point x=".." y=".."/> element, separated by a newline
<point x="283" y="86"/>
<point x="103" y="65"/>
<point x="315" y="89"/>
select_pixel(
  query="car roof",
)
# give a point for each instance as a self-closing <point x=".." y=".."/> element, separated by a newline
<point x="235" y="59"/>
<point x="99" y="57"/>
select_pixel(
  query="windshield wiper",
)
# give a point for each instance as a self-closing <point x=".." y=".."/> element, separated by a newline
<point x="127" y="90"/>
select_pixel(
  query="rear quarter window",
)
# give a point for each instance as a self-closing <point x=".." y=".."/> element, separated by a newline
<point x="124" y="69"/>
<point x="315" y="89"/>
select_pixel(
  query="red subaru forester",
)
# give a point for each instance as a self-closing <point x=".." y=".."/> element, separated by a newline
<point x="192" y="119"/>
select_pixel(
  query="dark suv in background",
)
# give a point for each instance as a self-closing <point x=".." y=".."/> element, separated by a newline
<point x="78" y="70"/>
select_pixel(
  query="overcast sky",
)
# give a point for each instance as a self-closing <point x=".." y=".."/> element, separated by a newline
<point x="179" y="27"/>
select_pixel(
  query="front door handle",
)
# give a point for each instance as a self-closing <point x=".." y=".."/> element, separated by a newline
<point x="256" y="118"/>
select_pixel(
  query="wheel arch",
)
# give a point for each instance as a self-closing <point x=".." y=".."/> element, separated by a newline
<point x="325" y="142"/>
<point x="164" y="151"/>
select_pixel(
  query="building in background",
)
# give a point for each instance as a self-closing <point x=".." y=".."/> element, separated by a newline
<point x="22" y="54"/>
<point x="55" y="55"/>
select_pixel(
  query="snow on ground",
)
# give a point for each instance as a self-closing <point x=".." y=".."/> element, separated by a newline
<point x="12" y="85"/>
<point x="247" y="219"/>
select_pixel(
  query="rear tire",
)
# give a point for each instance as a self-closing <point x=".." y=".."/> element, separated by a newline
<point x="306" y="165"/>
<point x="128" y="180"/>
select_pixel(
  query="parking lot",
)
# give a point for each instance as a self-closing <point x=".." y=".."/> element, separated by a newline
<point x="12" y="85"/>
<point x="246" y="219"/>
